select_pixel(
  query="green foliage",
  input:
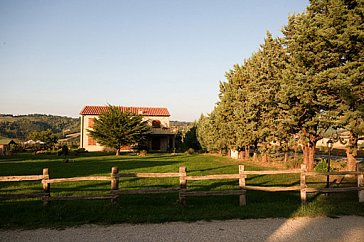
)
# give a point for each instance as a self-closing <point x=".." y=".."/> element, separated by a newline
<point x="65" y="150"/>
<point x="293" y="163"/>
<point x="247" y="113"/>
<point x="190" y="139"/>
<point x="294" y="88"/>
<point x="179" y="141"/>
<point x="20" y="126"/>
<point x="209" y="133"/>
<point x="143" y="153"/>
<point x="116" y="128"/>
<point x="190" y="151"/>
<point x="47" y="136"/>
<point x="321" y="166"/>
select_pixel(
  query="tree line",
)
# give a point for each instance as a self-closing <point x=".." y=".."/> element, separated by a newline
<point x="20" y="127"/>
<point x="295" y="87"/>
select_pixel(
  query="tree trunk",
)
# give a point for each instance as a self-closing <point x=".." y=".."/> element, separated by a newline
<point x="265" y="158"/>
<point x="296" y="148"/>
<point x="255" y="156"/>
<point x="352" y="152"/>
<point x="309" y="155"/>
<point x="241" y="155"/>
<point x="247" y="149"/>
<point x="305" y="154"/>
<point x="117" y="152"/>
<point x="286" y="157"/>
<point x="351" y="163"/>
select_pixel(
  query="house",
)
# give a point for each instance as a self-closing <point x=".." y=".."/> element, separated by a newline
<point x="5" y="146"/>
<point x="160" y="138"/>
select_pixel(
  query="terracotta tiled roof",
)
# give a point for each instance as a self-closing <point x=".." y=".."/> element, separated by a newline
<point x="144" y="111"/>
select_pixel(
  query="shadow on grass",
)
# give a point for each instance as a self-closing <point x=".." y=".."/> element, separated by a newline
<point x="219" y="185"/>
<point x="59" y="169"/>
<point x="210" y="169"/>
<point x="159" y="207"/>
<point x="165" y="208"/>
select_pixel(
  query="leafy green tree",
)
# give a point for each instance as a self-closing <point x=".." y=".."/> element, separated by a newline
<point x="303" y="95"/>
<point x="216" y="132"/>
<point x="239" y="78"/>
<point x="323" y="81"/>
<point x="207" y="133"/>
<point x="270" y="74"/>
<point x="247" y="109"/>
<point x="179" y="141"/>
<point x="224" y="118"/>
<point x="265" y="71"/>
<point x="295" y="88"/>
<point x="204" y="133"/>
<point x="115" y="128"/>
<point x="190" y="140"/>
<point x="342" y="29"/>
<point x="47" y="136"/>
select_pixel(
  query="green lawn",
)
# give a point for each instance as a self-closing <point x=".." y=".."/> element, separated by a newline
<point x="156" y="208"/>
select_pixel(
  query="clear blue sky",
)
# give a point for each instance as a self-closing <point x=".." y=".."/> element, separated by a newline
<point x="58" y="56"/>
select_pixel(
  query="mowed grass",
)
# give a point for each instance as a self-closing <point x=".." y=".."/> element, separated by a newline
<point x="156" y="208"/>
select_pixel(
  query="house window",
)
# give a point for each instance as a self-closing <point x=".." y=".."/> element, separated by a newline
<point x="91" y="141"/>
<point x="156" y="124"/>
<point x="90" y="122"/>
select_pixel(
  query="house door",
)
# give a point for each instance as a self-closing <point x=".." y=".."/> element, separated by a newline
<point x="156" y="143"/>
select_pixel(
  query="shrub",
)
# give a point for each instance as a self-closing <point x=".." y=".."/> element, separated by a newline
<point x="321" y="166"/>
<point x="190" y="151"/>
<point x="224" y="152"/>
<point x="143" y="153"/>
<point x="293" y="163"/>
<point x="81" y="150"/>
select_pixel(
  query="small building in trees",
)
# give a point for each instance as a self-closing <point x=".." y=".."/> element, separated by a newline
<point x="160" y="138"/>
<point x="5" y="146"/>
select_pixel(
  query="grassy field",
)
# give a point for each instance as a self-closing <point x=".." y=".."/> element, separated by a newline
<point x="29" y="213"/>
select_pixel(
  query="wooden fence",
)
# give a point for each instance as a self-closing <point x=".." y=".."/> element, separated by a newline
<point x="42" y="178"/>
<point x="182" y="190"/>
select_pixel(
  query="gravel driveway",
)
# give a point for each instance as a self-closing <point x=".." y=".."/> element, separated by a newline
<point x="346" y="228"/>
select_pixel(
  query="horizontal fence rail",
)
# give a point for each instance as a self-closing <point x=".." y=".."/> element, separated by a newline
<point x="149" y="175"/>
<point x="21" y="178"/>
<point x="41" y="178"/>
<point x="115" y="177"/>
<point x="272" y="189"/>
<point x="76" y="179"/>
<point x="213" y="177"/>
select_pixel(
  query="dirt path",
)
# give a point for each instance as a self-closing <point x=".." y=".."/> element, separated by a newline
<point x="347" y="228"/>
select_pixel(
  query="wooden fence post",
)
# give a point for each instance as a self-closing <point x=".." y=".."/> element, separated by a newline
<point x="46" y="186"/>
<point x="114" y="182"/>
<point x="361" y="186"/>
<point x="182" y="185"/>
<point x="303" y="184"/>
<point x="242" y="197"/>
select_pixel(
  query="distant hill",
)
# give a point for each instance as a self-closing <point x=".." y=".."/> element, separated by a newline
<point x="19" y="126"/>
<point x="180" y="124"/>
